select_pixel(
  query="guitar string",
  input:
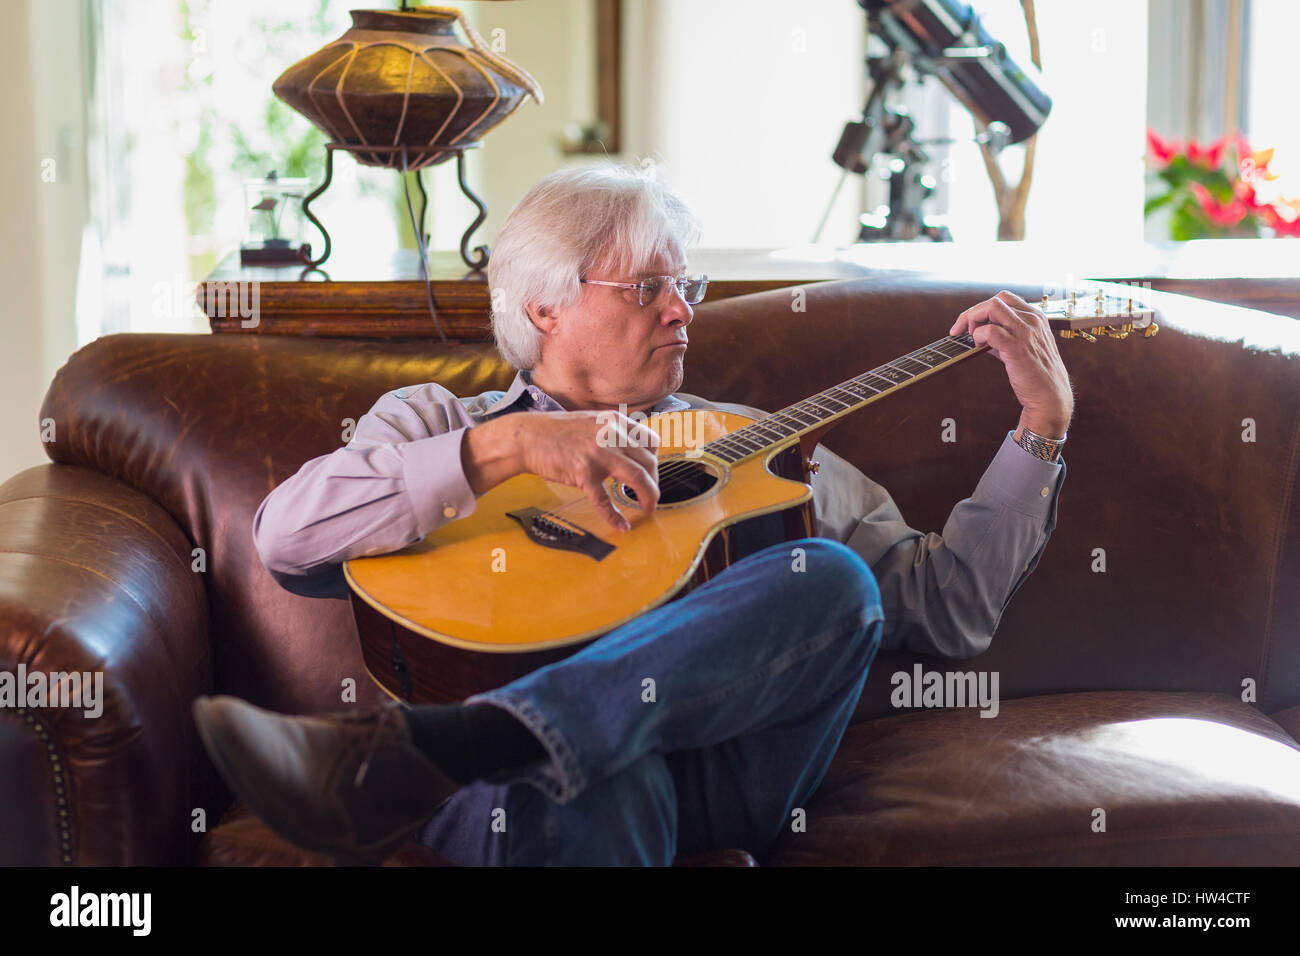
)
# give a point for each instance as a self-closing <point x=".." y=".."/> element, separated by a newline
<point x="674" y="474"/>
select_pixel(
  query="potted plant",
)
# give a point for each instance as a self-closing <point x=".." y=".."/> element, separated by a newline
<point x="1211" y="192"/>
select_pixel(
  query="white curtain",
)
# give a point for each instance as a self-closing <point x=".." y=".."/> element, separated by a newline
<point x="1197" y="76"/>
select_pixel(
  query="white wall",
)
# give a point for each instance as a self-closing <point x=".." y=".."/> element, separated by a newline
<point x="1275" y="24"/>
<point x="740" y="104"/>
<point x="40" y="109"/>
<point x="743" y="103"/>
<point x="542" y="36"/>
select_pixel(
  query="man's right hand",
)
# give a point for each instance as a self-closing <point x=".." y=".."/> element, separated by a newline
<point x="580" y="449"/>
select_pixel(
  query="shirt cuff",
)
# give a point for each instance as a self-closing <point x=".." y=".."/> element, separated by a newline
<point x="1021" y="481"/>
<point x="435" y="480"/>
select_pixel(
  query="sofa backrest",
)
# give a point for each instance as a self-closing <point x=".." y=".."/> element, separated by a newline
<point x="1201" y="542"/>
<point x="1200" y="531"/>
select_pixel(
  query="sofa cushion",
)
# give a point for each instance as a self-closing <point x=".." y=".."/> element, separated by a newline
<point x="1198" y="527"/>
<point x="1183" y="779"/>
<point x="1288" y="720"/>
<point x="241" y="839"/>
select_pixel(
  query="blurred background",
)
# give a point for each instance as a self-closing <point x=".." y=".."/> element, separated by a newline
<point x="134" y="123"/>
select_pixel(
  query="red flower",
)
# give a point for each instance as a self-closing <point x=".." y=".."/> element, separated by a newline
<point x="1163" y="150"/>
<point x="1207" y="173"/>
<point x="1242" y="146"/>
<point x="1281" y="227"/>
<point x="1209" y="158"/>
<point x="1244" y="190"/>
<point x="1252" y="165"/>
<point x="1217" y="212"/>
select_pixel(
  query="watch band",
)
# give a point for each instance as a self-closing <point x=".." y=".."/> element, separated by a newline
<point x="1048" y="449"/>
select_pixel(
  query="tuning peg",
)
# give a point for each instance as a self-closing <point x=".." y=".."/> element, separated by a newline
<point x="1119" y="333"/>
<point x="1076" y="333"/>
<point x="1100" y="303"/>
<point x="1150" y="330"/>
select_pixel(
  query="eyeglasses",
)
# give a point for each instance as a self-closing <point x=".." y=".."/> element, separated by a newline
<point x="691" y="288"/>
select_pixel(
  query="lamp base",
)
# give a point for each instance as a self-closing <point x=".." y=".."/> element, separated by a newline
<point x="477" y="262"/>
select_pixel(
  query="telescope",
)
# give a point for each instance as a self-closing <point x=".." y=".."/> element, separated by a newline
<point x="946" y="38"/>
<point x="943" y="38"/>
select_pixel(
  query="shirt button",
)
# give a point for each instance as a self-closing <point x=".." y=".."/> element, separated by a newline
<point x="1044" y="493"/>
<point x="449" y="512"/>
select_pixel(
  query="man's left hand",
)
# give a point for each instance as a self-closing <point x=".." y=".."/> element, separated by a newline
<point x="1017" y="333"/>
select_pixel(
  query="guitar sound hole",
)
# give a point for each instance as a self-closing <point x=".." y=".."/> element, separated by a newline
<point x="680" y="481"/>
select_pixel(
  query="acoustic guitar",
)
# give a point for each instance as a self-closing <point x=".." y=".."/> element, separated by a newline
<point x="535" y="573"/>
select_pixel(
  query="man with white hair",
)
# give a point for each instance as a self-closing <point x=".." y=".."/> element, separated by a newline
<point x="757" y="671"/>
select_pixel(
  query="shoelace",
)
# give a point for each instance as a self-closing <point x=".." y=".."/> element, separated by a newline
<point x="385" y="715"/>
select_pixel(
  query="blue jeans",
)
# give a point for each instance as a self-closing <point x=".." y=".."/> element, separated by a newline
<point x="705" y="723"/>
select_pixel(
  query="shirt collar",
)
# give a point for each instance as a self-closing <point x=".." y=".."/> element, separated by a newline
<point x="513" y="394"/>
<point x="523" y="389"/>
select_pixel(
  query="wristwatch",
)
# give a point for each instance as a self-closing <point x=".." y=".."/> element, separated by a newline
<point x="1048" y="449"/>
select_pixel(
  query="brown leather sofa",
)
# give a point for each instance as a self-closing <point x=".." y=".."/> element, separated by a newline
<point x="1159" y="697"/>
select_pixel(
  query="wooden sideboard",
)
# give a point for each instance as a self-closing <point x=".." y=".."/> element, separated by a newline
<point x="385" y="296"/>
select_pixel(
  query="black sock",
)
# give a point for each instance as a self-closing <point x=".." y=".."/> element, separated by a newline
<point x="471" y="741"/>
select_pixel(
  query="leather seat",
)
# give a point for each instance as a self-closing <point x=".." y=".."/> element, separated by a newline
<point x="1175" y="779"/>
<point x="241" y="839"/>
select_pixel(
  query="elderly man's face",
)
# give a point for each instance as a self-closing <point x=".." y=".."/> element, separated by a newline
<point x="607" y="350"/>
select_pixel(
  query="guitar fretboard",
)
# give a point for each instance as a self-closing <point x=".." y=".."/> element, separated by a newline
<point x="794" y="420"/>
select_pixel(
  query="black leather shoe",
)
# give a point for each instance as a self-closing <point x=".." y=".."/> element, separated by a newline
<point x="349" y="785"/>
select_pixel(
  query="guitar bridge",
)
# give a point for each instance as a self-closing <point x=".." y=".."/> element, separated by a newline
<point x="551" y="531"/>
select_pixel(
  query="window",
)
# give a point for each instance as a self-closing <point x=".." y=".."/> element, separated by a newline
<point x="180" y="113"/>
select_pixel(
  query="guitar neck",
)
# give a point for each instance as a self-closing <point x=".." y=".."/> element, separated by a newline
<point x="828" y="405"/>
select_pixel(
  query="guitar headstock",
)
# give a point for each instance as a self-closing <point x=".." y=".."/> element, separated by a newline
<point x="1099" y="315"/>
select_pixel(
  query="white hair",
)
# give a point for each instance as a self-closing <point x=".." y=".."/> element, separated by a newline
<point x="573" y="221"/>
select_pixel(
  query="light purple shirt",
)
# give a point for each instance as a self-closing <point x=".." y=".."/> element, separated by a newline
<point x="401" y="476"/>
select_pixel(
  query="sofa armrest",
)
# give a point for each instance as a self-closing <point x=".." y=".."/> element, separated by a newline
<point x="95" y="578"/>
